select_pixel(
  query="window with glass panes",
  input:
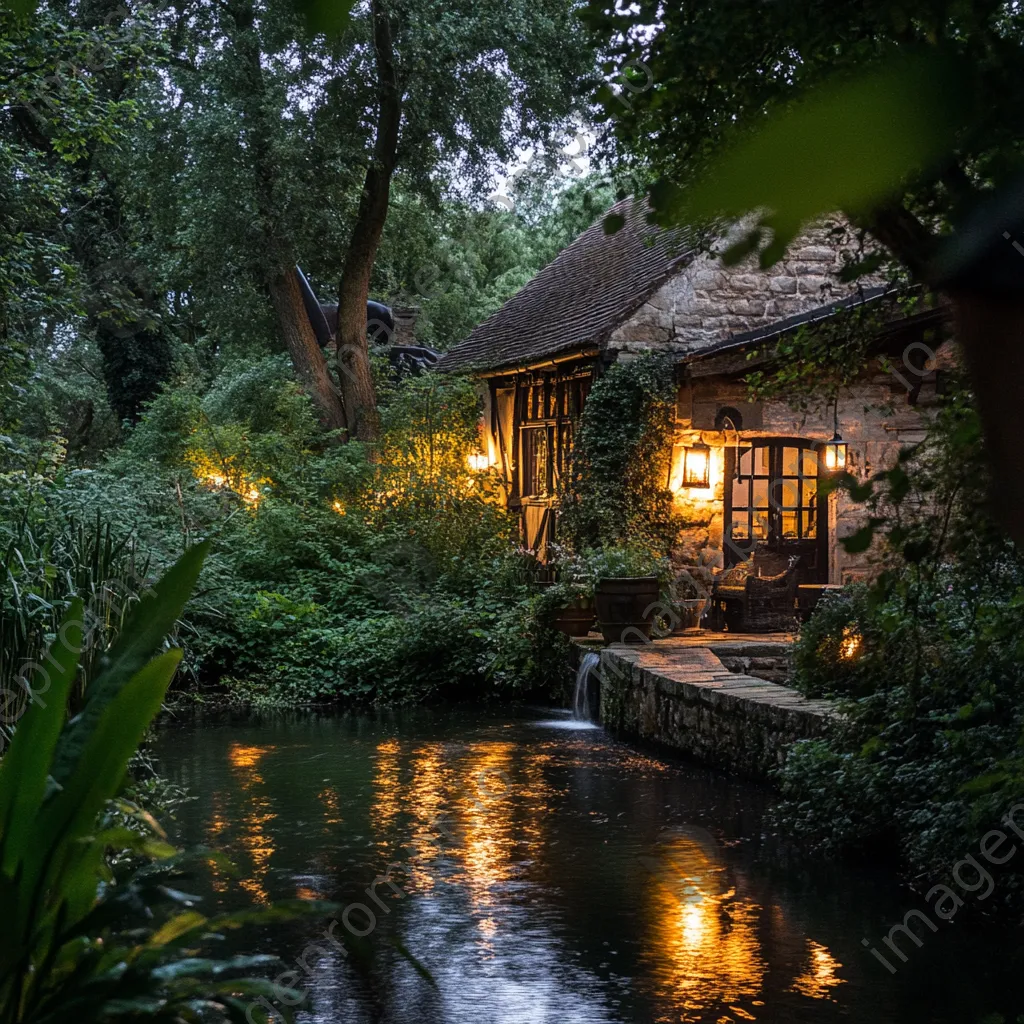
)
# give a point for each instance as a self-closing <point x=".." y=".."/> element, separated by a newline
<point x="550" y="405"/>
<point x="774" y="493"/>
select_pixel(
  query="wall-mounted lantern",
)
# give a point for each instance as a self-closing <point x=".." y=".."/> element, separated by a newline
<point x="696" y="466"/>
<point x="478" y="462"/>
<point x="835" y="454"/>
<point x="835" y="450"/>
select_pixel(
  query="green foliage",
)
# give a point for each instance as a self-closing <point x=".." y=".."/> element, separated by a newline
<point x="617" y="485"/>
<point x="50" y="120"/>
<point x="927" y="664"/>
<point x="849" y="145"/>
<point x="75" y="942"/>
<point x="459" y="264"/>
<point x="347" y="578"/>
<point x="790" y="105"/>
<point x="48" y="561"/>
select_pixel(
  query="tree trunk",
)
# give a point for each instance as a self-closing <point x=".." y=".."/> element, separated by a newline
<point x="292" y="321"/>
<point x="310" y="364"/>
<point x="353" y="351"/>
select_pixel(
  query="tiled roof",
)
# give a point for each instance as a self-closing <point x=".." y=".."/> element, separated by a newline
<point x="578" y="299"/>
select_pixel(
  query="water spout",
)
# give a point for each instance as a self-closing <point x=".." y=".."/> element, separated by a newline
<point x="581" y="697"/>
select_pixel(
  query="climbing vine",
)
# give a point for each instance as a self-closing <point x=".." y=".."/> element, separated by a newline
<point x="616" y="488"/>
<point x="812" y="365"/>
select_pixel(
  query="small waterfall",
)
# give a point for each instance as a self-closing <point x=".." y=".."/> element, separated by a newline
<point x="581" y="697"/>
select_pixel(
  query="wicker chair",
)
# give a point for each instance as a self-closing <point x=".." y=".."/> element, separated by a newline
<point x="770" y="603"/>
<point x="745" y="601"/>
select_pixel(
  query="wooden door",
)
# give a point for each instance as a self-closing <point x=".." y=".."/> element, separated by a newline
<point x="772" y="500"/>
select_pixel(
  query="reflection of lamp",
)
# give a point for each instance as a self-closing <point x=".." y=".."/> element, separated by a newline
<point x="696" y="466"/>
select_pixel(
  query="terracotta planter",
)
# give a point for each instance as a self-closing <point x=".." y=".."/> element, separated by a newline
<point x="625" y="608"/>
<point x="576" y="620"/>
<point x="689" y="613"/>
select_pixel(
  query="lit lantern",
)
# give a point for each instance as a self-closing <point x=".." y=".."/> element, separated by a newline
<point x="835" y="454"/>
<point x="849" y="648"/>
<point x="696" y="466"/>
<point x="478" y="462"/>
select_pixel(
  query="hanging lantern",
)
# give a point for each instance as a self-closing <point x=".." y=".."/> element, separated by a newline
<point x="835" y="454"/>
<point x="696" y="466"/>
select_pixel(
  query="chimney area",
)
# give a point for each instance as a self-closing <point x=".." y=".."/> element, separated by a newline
<point x="405" y="324"/>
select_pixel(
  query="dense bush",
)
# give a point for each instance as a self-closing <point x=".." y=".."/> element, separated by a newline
<point x="929" y="666"/>
<point x="336" y="573"/>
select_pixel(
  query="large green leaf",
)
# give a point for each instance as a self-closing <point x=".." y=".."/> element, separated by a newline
<point x="847" y="146"/>
<point x="26" y="766"/>
<point x="152" y="619"/>
<point x="70" y="814"/>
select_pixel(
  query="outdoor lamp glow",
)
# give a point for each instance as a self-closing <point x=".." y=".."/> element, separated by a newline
<point x="835" y="454"/>
<point x="696" y="466"/>
<point x="478" y="462"/>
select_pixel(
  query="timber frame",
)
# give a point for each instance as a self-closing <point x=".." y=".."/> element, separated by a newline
<point x="533" y="416"/>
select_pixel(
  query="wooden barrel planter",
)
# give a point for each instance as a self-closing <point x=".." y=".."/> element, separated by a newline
<point x="624" y="607"/>
<point x="575" y="620"/>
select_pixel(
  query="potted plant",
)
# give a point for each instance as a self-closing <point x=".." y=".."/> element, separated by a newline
<point x="691" y="595"/>
<point x="626" y="589"/>
<point x="571" y="596"/>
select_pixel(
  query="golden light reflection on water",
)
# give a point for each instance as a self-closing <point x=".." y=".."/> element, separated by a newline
<point x="328" y="796"/>
<point x="427" y="804"/>
<point x="387" y="794"/>
<point x="705" y="950"/>
<point x="819" y="977"/>
<point x="485" y="812"/>
<point x="218" y="824"/>
<point x="489" y="811"/>
<point x="256" y="836"/>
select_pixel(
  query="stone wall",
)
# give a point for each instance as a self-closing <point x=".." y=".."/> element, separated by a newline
<point x="683" y="698"/>
<point x="707" y="301"/>
<point x="875" y="419"/>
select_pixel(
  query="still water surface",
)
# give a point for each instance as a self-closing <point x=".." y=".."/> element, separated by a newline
<point x="546" y="874"/>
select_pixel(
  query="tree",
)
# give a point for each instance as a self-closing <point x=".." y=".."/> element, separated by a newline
<point x="62" y="259"/>
<point x="287" y="147"/>
<point x="718" y="66"/>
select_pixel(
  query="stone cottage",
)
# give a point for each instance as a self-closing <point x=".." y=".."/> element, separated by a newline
<point x="746" y="474"/>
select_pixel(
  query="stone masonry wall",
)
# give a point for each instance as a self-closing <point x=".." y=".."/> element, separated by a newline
<point x="684" y="698"/>
<point x="875" y="419"/>
<point x="707" y="301"/>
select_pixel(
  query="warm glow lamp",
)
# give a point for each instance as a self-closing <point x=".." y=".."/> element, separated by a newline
<point x="835" y="454"/>
<point x="478" y="462"/>
<point x="696" y="466"/>
<point x="835" y="450"/>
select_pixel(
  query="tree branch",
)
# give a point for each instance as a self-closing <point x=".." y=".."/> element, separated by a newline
<point x="902" y="234"/>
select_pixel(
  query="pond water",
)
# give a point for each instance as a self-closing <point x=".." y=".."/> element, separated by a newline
<point x="544" y="872"/>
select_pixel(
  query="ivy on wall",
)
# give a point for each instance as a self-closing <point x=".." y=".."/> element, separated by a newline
<point x="616" y="487"/>
<point x="815" y="363"/>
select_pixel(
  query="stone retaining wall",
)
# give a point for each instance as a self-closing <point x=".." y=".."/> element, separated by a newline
<point x="683" y="697"/>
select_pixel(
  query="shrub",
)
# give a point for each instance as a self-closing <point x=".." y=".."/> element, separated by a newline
<point x="616" y="487"/>
<point x="927" y="664"/>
